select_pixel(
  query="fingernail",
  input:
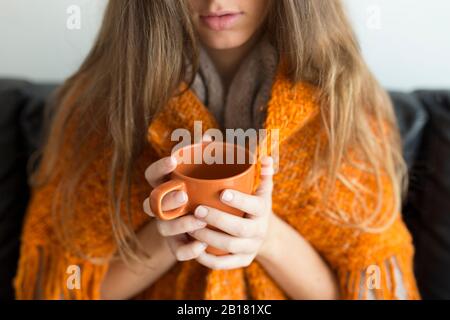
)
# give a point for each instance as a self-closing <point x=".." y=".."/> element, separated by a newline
<point x="203" y="245"/>
<point x="181" y="197"/>
<point x="267" y="171"/>
<point x="171" y="161"/>
<point x="201" y="212"/>
<point x="267" y="161"/>
<point x="227" y="196"/>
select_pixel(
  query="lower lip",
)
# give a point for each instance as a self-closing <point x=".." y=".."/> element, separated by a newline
<point x="219" y="23"/>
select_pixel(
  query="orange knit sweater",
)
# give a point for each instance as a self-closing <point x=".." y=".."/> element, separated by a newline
<point x="292" y="109"/>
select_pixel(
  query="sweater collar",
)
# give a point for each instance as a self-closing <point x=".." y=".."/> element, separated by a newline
<point x="290" y="108"/>
<point x="243" y="104"/>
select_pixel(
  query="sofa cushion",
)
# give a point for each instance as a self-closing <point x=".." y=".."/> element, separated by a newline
<point x="411" y="119"/>
<point x="21" y="110"/>
<point x="428" y="204"/>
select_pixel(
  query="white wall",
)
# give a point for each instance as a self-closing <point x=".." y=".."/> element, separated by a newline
<point x="411" y="48"/>
<point x="35" y="42"/>
<point x="406" y="42"/>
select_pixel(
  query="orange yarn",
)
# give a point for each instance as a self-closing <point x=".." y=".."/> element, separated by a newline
<point x="294" y="111"/>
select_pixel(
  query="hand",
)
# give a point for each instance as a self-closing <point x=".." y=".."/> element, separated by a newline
<point x="174" y="231"/>
<point x="245" y="237"/>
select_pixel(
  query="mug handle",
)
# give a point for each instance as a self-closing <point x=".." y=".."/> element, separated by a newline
<point x="159" y="193"/>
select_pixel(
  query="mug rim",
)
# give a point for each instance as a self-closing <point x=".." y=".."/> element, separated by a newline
<point x="250" y="166"/>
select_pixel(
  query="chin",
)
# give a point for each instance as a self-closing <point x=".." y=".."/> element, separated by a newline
<point x="225" y="41"/>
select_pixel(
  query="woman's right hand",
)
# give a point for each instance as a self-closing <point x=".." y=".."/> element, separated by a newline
<point x="174" y="231"/>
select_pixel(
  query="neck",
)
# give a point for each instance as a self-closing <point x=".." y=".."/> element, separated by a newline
<point x="227" y="61"/>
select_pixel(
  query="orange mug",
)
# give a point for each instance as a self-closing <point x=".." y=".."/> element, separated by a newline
<point x="204" y="170"/>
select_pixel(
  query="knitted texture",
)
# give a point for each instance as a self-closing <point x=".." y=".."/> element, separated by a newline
<point x="243" y="104"/>
<point x="293" y="109"/>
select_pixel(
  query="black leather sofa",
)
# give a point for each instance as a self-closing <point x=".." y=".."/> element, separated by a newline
<point x="424" y="120"/>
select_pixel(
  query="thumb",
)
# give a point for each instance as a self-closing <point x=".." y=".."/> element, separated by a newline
<point x="266" y="186"/>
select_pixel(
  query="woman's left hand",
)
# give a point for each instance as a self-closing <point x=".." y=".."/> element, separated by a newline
<point x="245" y="237"/>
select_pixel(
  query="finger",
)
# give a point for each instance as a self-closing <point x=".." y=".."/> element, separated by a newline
<point x="231" y="224"/>
<point x="174" y="200"/>
<point x="266" y="185"/>
<point x="224" y="241"/>
<point x="147" y="209"/>
<point x="185" y="251"/>
<point x="171" y="201"/>
<point x="248" y="203"/>
<point x="177" y="241"/>
<point x="267" y="166"/>
<point x="156" y="172"/>
<point x="224" y="262"/>
<point x="179" y="226"/>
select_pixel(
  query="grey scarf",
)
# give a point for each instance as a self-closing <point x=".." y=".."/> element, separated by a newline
<point x="244" y="105"/>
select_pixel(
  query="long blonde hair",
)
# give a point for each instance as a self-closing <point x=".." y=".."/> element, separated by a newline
<point x="139" y="60"/>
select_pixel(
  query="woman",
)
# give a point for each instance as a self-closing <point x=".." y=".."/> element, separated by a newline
<point x="326" y="226"/>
